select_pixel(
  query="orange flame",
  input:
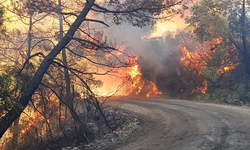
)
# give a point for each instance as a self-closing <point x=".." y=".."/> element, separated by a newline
<point x="25" y="129"/>
<point x="203" y="89"/>
<point x="119" y="52"/>
<point x="137" y="84"/>
<point x="228" y="64"/>
<point x="133" y="74"/>
<point x="154" y="92"/>
<point x="63" y="117"/>
<point x="196" y="61"/>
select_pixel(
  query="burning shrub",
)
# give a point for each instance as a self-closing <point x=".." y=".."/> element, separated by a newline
<point x="217" y="73"/>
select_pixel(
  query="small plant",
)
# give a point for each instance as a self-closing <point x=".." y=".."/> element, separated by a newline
<point x="9" y="93"/>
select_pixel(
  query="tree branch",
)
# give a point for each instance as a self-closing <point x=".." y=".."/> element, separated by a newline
<point x="98" y="21"/>
<point x="13" y="114"/>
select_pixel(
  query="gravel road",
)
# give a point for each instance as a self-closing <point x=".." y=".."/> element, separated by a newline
<point x="185" y="125"/>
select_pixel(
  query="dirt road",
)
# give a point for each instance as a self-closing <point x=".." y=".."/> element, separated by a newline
<point x="184" y="125"/>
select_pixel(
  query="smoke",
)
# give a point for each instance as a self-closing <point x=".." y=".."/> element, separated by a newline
<point x="149" y="42"/>
<point x="153" y="52"/>
<point x="155" y="46"/>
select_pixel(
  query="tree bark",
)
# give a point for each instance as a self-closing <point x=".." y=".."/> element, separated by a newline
<point x="30" y="32"/>
<point x="14" y="113"/>
<point x="68" y="98"/>
<point x="16" y="133"/>
<point x="244" y="42"/>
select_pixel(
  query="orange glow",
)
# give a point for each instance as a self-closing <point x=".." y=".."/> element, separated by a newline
<point x="25" y="129"/>
<point x="154" y="92"/>
<point x="137" y="84"/>
<point x="226" y="69"/>
<point x="107" y="56"/>
<point x="33" y="117"/>
<point x="203" y="89"/>
<point x="7" y="137"/>
<point x="120" y="50"/>
<point x="193" y="61"/>
<point x="117" y="53"/>
<point x="218" y="40"/>
<point x="130" y="75"/>
<point x="162" y="28"/>
<point x="140" y="88"/>
<point x="134" y="74"/>
<point x="228" y="64"/>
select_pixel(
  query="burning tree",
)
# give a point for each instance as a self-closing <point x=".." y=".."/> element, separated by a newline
<point x="228" y="64"/>
<point x="226" y="19"/>
<point x="212" y="59"/>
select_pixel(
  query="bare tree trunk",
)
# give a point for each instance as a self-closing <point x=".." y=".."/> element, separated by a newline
<point x="60" y="119"/>
<point x="49" y="131"/>
<point x="30" y="32"/>
<point x="68" y="99"/>
<point x="244" y="42"/>
<point x="15" y="112"/>
<point x="29" y="38"/>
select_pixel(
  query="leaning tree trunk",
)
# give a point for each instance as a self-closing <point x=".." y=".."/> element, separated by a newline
<point x="15" y="112"/>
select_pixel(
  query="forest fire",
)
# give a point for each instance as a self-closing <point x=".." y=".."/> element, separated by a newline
<point x="154" y="91"/>
<point x="133" y="74"/>
<point x="65" y="59"/>
<point x="192" y="60"/>
<point x="26" y="129"/>
<point x="137" y="83"/>
<point x="198" y="61"/>
<point x="227" y="65"/>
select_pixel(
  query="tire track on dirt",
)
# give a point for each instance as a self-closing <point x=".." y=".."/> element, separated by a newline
<point x="177" y="125"/>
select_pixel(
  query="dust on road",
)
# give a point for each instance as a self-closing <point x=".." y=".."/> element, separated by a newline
<point x="184" y="125"/>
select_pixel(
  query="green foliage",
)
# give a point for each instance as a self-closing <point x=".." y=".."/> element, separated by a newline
<point x="213" y="64"/>
<point x="204" y="98"/>
<point x="8" y="93"/>
<point x="211" y="73"/>
<point x="235" y="14"/>
<point x="208" y="20"/>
